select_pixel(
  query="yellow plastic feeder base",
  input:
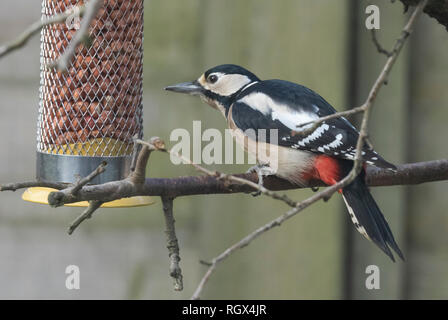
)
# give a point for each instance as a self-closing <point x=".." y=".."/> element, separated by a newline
<point x="40" y="195"/>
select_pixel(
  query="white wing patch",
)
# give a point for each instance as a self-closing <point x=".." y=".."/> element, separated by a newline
<point x="315" y="135"/>
<point x="332" y="145"/>
<point x="282" y="112"/>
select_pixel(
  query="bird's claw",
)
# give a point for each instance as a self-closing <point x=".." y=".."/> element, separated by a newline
<point x="261" y="170"/>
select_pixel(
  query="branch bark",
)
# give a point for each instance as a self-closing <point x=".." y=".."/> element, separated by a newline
<point x="172" y="244"/>
<point x="406" y="174"/>
<point x="32" y="184"/>
<point x="87" y="214"/>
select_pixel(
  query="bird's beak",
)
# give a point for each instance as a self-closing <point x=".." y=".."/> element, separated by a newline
<point x="193" y="88"/>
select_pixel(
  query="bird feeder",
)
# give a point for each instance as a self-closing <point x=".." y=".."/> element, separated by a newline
<point x="92" y="112"/>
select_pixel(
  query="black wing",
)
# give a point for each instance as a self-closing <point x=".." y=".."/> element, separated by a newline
<point x="282" y="105"/>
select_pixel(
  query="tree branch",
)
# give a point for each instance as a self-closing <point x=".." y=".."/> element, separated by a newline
<point x="172" y="243"/>
<point x="33" y="184"/>
<point x="406" y="174"/>
<point x="87" y="214"/>
<point x="23" y="39"/>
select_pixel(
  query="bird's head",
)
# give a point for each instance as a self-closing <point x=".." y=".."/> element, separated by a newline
<point x="218" y="86"/>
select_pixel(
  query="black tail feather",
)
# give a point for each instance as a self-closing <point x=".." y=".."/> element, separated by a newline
<point x="367" y="217"/>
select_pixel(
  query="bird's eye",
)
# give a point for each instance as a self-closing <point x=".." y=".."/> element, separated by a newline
<point x="212" y="78"/>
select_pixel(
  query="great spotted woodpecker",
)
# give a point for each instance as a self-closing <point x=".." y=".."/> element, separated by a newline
<point x="326" y="153"/>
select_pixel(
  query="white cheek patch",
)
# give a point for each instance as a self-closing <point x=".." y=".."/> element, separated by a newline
<point x="285" y="114"/>
<point x="227" y="84"/>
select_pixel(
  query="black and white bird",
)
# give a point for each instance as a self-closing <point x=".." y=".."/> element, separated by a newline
<point x="325" y="153"/>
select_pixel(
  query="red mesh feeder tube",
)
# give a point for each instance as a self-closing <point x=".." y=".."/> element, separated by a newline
<point x="92" y="112"/>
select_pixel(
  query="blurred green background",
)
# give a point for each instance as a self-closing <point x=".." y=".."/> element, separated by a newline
<point x="322" y="44"/>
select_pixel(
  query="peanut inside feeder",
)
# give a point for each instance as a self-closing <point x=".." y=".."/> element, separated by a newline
<point x="92" y="112"/>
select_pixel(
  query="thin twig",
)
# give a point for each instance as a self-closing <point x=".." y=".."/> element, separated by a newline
<point x="91" y="11"/>
<point x="83" y="181"/>
<point x="72" y="192"/>
<point x="33" y="184"/>
<point x="381" y="80"/>
<point x="172" y="244"/>
<point x="272" y="224"/>
<point x="390" y="54"/>
<point x="135" y="154"/>
<point x="315" y="123"/>
<point x="158" y="144"/>
<point x="138" y="174"/>
<point x="378" y="45"/>
<point x="33" y="29"/>
<point x="87" y="214"/>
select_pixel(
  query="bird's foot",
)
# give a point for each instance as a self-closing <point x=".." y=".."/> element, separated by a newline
<point x="261" y="170"/>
